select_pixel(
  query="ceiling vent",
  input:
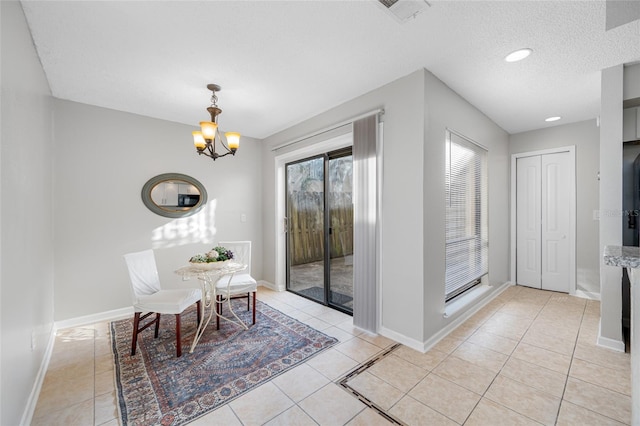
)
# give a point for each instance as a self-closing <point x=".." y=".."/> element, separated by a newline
<point x="403" y="10"/>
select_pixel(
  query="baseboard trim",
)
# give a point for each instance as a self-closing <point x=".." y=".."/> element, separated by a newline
<point x="94" y="318"/>
<point x="587" y="295"/>
<point x="462" y="317"/>
<point x="424" y="346"/>
<point x="122" y="313"/>
<point x="271" y="286"/>
<point x="606" y="342"/>
<point x="116" y="314"/>
<point x="27" y="415"/>
<point x="401" y="338"/>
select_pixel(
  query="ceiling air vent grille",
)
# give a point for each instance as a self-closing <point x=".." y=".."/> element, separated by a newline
<point x="403" y="10"/>
<point x="388" y="3"/>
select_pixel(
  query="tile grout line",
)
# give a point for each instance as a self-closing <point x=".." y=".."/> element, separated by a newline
<point x="485" y="391"/>
<point x="450" y="354"/>
<point x="362" y="367"/>
<point x="492" y="380"/>
<point x="386" y="352"/>
<point x="576" y="341"/>
<point x="367" y="364"/>
<point x="509" y="357"/>
<point x="585" y="381"/>
<point x="297" y="403"/>
<point x="520" y="341"/>
<point x="573" y="353"/>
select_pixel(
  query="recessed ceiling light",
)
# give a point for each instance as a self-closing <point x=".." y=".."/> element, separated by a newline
<point x="518" y="55"/>
<point x="552" y="118"/>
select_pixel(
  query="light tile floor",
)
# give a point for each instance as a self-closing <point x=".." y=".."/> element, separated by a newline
<point x="527" y="358"/>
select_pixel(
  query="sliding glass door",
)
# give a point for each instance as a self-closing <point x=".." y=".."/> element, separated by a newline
<point x="320" y="229"/>
<point x="340" y="218"/>
<point x="305" y="233"/>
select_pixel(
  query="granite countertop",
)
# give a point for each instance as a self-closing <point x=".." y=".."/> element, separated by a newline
<point x="623" y="256"/>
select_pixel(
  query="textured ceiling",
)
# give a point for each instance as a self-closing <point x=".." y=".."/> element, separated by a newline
<point x="280" y="62"/>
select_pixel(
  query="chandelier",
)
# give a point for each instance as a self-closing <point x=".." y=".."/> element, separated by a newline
<point x="205" y="139"/>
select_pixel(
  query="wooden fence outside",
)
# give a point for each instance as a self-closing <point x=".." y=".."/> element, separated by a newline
<point x="306" y="231"/>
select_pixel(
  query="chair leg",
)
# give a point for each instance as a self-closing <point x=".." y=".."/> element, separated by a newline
<point x="157" y="326"/>
<point x="248" y="301"/>
<point x="218" y="311"/>
<point x="198" y="306"/>
<point x="254" y="307"/>
<point x="178" y="340"/>
<point x="134" y="339"/>
<point x="139" y="319"/>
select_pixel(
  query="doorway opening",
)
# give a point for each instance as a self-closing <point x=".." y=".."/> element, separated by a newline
<point x="630" y="223"/>
<point x="319" y="228"/>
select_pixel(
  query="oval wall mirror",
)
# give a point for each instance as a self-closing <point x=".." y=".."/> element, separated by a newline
<point x="174" y="195"/>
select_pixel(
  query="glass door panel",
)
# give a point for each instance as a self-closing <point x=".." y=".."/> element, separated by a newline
<point x="320" y="229"/>
<point x="305" y="236"/>
<point x="340" y="202"/>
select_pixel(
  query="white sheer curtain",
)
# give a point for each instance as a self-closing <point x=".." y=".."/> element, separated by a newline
<point x="365" y="175"/>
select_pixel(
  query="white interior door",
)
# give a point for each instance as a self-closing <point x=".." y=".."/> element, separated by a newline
<point x="528" y="252"/>
<point x="543" y="221"/>
<point x="556" y="221"/>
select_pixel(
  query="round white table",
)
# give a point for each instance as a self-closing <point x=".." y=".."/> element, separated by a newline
<point x="209" y="275"/>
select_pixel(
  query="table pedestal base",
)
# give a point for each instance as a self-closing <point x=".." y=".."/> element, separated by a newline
<point x="209" y="299"/>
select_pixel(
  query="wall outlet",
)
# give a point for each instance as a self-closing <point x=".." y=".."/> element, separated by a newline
<point x="243" y="218"/>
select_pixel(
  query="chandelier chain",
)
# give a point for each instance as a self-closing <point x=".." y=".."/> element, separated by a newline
<point x="214" y="99"/>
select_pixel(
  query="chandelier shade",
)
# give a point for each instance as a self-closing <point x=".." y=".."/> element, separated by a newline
<point x="206" y="139"/>
<point x="233" y="140"/>
<point x="208" y="129"/>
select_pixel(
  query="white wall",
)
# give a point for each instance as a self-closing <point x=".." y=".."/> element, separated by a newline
<point x="103" y="158"/>
<point x="403" y="103"/>
<point x="26" y="265"/>
<point x="631" y="81"/>
<point x="417" y="108"/>
<point x="70" y="196"/>
<point x="619" y="83"/>
<point x="585" y="136"/>
<point x="611" y="204"/>
<point x="445" y="109"/>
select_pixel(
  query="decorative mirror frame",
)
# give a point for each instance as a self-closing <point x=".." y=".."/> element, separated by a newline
<point x="156" y="180"/>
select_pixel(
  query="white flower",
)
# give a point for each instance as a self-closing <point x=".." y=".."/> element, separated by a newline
<point x="212" y="254"/>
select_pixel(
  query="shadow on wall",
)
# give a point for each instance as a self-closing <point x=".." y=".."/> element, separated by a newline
<point x="199" y="228"/>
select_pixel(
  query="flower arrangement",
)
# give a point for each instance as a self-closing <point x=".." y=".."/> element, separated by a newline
<point x="217" y="254"/>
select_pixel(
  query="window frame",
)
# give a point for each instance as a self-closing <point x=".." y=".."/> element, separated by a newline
<point x="477" y="217"/>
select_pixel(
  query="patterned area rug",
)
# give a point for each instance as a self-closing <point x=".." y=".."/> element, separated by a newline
<point x="154" y="387"/>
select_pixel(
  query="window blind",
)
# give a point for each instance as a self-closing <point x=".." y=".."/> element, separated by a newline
<point x="467" y="247"/>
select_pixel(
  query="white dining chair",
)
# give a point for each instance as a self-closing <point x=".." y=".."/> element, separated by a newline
<point x="150" y="298"/>
<point x="242" y="284"/>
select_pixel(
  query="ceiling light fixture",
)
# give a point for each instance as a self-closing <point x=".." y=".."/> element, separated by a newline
<point x="556" y="118"/>
<point x="518" y="55"/>
<point x="205" y="139"/>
